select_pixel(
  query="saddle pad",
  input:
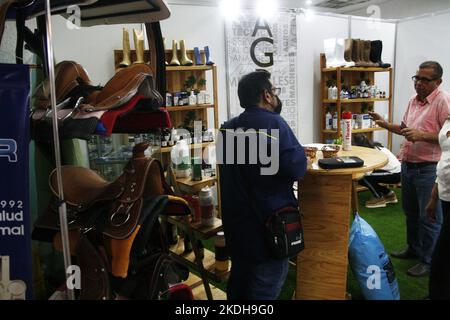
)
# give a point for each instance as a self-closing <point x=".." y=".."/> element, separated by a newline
<point x="341" y="163"/>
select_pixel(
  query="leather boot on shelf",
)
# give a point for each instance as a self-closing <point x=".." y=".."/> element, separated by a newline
<point x="126" y="50"/>
<point x="376" y="49"/>
<point x="198" y="56"/>
<point x="139" y="45"/>
<point x="174" y="61"/>
<point x="185" y="61"/>
<point x="348" y="52"/>
<point x="367" y="47"/>
<point x="356" y="53"/>
<point x="164" y="42"/>
<point x="209" y="61"/>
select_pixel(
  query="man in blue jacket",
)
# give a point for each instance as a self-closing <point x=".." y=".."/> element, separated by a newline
<point x="254" y="273"/>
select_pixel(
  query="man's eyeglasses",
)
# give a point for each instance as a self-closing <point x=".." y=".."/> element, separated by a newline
<point x="276" y="91"/>
<point x="423" y="79"/>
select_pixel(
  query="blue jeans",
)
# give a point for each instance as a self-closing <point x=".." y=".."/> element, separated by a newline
<point x="261" y="281"/>
<point x="422" y="234"/>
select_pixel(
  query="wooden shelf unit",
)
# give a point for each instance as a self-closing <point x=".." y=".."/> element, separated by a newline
<point x="348" y="77"/>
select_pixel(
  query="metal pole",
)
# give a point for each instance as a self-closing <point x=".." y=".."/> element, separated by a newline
<point x="62" y="207"/>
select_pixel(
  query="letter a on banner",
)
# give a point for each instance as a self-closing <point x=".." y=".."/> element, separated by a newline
<point x="15" y="238"/>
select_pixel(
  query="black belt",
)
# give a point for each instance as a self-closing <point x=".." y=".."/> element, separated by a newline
<point x="415" y="165"/>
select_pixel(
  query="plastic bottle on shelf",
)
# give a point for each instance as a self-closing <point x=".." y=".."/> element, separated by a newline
<point x="330" y="93"/>
<point x="335" y="93"/>
<point x="207" y="207"/>
<point x="335" y="121"/>
<point x="221" y="254"/>
<point x="347" y="130"/>
<point x="328" y="121"/>
<point x="181" y="159"/>
<point x="192" y="99"/>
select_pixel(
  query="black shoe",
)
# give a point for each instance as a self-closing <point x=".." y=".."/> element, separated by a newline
<point x="404" y="254"/>
<point x="419" y="270"/>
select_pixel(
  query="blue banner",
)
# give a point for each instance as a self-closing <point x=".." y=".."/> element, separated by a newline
<point x="15" y="235"/>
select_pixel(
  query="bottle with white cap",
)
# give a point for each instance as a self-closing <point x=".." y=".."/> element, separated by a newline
<point x="206" y="201"/>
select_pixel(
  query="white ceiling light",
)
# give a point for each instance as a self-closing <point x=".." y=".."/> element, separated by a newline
<point x="266" y="9"/>
<point x="309" y="2"/>
<point x="231" y="9"/>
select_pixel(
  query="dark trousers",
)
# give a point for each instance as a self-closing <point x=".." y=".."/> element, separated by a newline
<point x="261" y="281"/>
<point x="372" y="182"/>
<point x="440" y="264"/>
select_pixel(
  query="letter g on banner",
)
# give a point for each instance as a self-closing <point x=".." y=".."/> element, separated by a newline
<point x="267" y="54"/>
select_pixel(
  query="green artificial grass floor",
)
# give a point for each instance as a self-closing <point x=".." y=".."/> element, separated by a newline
<point x="389" y="223"/>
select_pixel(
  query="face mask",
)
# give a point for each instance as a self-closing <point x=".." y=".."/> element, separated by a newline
<point x="279" y="105"/>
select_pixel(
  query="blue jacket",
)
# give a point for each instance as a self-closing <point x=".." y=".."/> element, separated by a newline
<point x="242" y="226"/>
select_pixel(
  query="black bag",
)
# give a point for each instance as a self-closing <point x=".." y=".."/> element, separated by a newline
<point x="283" y="229"/>
<point x="284" y="233"/>
<point x="341" y="163"/>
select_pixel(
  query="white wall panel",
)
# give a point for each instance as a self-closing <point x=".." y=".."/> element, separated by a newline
<point x="417" y="41"/>
<point x="311" y="33"/>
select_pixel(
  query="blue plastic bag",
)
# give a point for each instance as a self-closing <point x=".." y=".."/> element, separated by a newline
<point x="370" y="263"/>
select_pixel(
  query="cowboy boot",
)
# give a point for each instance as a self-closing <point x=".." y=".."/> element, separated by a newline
<point x="348" y="52"/>
<point x="367" y="48"/>
<point x="126" y="50"/>
<point x="139" y="45"/>
<point x="376" y="49"/>
<point x="198" y="56"/>
<point x="209" y="62"/>
<point x="185" y="61"/>
<point x="356" y="53"/>
<point x="164" y="42"/>
<point x="174" y="61"/>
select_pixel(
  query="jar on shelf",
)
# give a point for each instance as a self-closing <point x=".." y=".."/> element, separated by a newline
<point x="206" y="201"/>
<point x="221" y="253"/>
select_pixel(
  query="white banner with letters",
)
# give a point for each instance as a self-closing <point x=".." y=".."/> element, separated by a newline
<point x="255" y="43"/>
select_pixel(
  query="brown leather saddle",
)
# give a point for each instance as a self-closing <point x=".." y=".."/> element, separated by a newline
<point x="113" y="211"/>
<point x="72" y="81"/>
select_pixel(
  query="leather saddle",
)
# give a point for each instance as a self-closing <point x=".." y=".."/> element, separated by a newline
<point x="72" y="81"/>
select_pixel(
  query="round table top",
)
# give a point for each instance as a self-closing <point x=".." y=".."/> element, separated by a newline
<point x="373" y="159"/>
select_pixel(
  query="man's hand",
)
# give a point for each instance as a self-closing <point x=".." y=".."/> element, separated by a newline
<point x="378" y="119"/>
<point x="412" y="135"/>
<point x="375" y="116"/>
<point x="430" y="209"/>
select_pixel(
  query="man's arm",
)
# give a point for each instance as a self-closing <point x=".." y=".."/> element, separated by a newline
<point x="414" y="135"/>
<point x="395" y="128"/>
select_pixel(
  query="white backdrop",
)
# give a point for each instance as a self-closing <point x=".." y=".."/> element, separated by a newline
<point x="419" y="40"/>
<point x="203" y="25"/>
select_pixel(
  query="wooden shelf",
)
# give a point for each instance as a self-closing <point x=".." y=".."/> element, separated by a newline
<point x="209" y="261"/>
<point x="201" y="232"/>
<point x="187" y="108"/>
<point x="357" y="69"/>
<point x="355" y="130"/>
<point x="189" y="68"/>
<point x="191" y="146"/>
<point x="345" y="101"/>
<point x="189" y="186"/>
<point x="198" y="290"/>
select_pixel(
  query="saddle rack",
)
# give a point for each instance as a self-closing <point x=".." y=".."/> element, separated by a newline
<point x="93" y="13"/>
